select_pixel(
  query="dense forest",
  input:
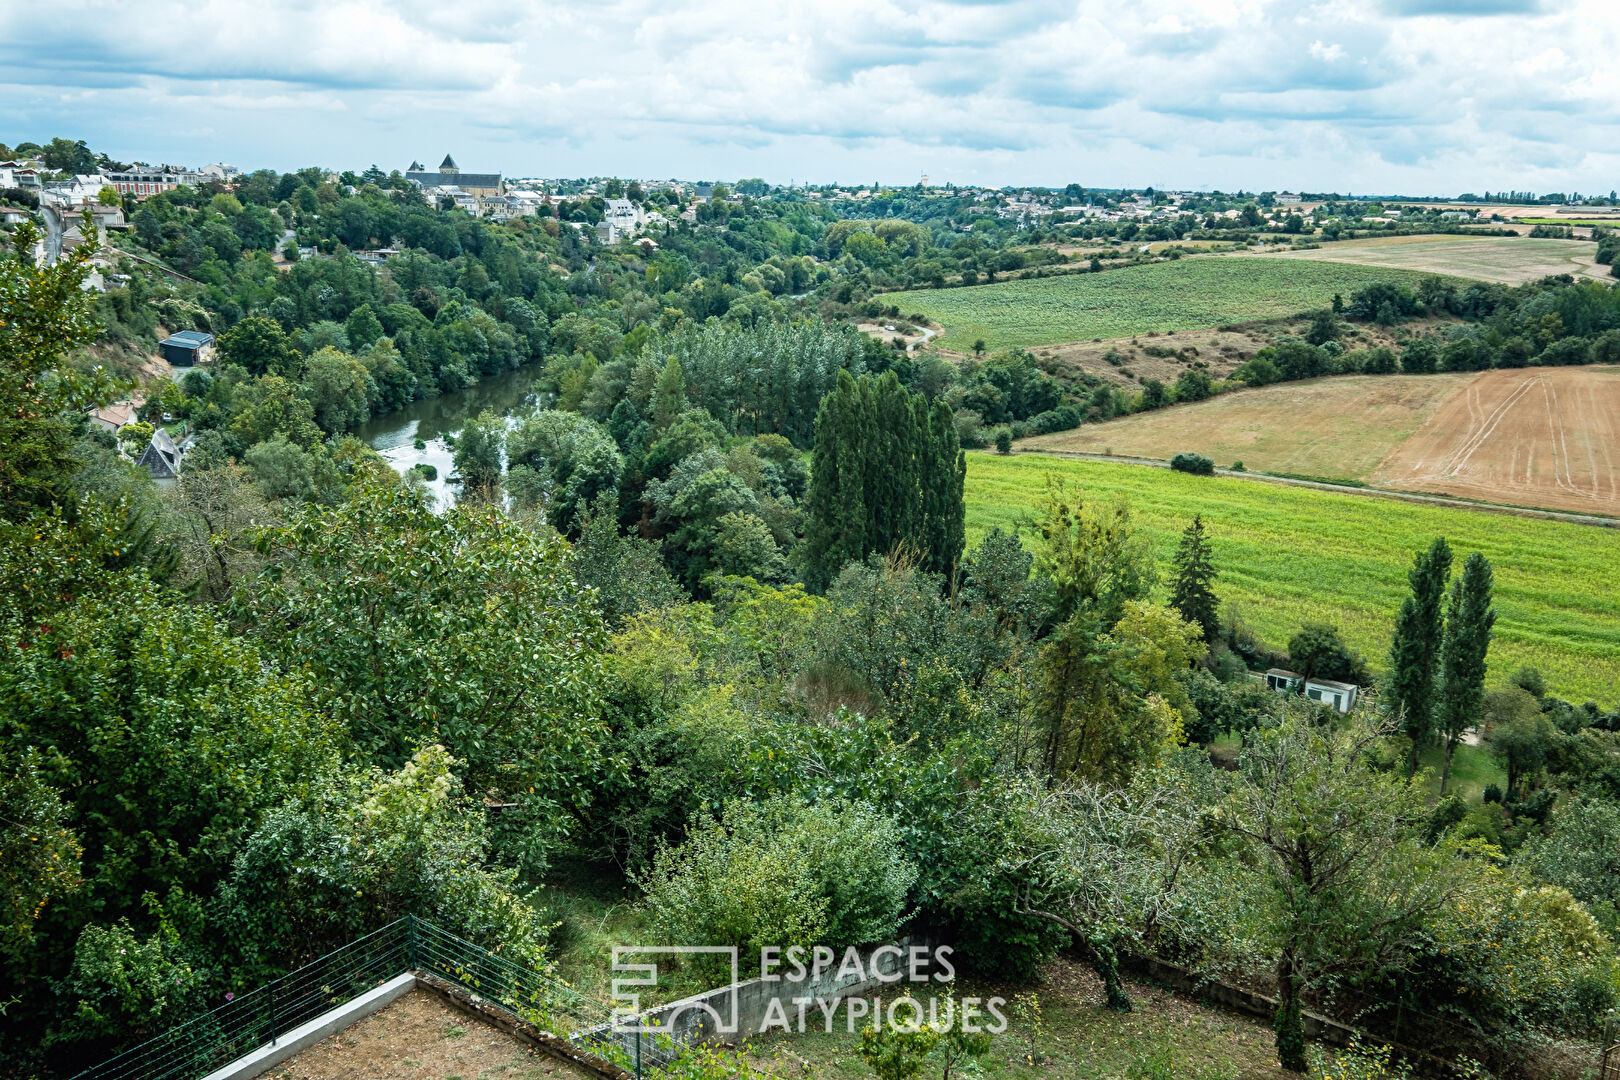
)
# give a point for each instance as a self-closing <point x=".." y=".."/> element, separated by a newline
<point x="704" y="623"/>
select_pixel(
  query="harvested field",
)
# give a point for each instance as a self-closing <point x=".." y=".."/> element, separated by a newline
<point x="1342" y="427"/>
<point x="1533" y="437"/>
<point x="419" y="1037"/>
<point x="1503" y="259"/>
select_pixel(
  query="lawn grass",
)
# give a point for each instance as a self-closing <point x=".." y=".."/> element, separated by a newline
<point x="1185" y="294"/>
<point x="1165" y="1035"/>
<point x="1293" y="555"/>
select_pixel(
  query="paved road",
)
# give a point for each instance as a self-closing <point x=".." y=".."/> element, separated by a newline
<point x="1346" y="489"/>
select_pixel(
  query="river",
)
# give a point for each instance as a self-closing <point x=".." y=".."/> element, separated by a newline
<point x="394" y="435"/>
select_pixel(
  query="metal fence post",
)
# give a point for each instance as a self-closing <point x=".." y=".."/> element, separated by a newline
<point x="638" y="1052"/>
<point x="410" y="942"/>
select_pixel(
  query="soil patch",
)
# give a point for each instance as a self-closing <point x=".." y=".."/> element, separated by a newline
<point x="1531" y="437"/>
<point x="419" y="1037"/>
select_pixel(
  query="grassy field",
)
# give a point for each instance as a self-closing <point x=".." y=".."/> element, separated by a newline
<point x="1164" y="1036"/>
<point x="1509" y="260"/>
<point x="1341" y="427"/>
<point x="1187" y="294"/>
<point x="1610" y="221"/>
<point x="1293" y="555"/>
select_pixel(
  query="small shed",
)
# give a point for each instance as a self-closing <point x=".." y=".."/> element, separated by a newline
<point x="161" y="457"/>
<point x="186" y="348"/>
<point x="1340" y="695"/>
<point x="1284" y="682"/>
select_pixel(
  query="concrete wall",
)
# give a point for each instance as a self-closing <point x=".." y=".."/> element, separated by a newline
<point x="702" y="1017"/>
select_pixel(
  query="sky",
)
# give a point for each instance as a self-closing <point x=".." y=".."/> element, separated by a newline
<point x="1357" y="96"/>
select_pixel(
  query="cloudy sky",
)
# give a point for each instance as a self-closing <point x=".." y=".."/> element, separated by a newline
<point x="1413" y="96"/>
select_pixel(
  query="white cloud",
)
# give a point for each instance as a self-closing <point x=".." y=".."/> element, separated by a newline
<point x="1257" y="93"/>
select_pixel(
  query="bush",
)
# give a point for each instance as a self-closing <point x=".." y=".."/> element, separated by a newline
<point x="1003" y="441"/>
<point x="1062" y="418"/>
<point x="1567" y="352"/>
<point x="426" y="471"/>
<point x="1197" y="464"/>
<point x="782" y="873"/>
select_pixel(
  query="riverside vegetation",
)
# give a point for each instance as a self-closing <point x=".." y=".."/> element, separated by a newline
<point x="250" y="717"/>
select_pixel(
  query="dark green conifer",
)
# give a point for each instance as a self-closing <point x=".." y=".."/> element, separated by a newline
<point x="1414" y="652"/>
<point x="1193" y="595"/>
<point x="1469" y="618"/>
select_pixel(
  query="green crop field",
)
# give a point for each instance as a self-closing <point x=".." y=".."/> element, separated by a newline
<point x="1187" y="294"/>
<point x="1292" y="555"/>
<point x="1609" y="221"/>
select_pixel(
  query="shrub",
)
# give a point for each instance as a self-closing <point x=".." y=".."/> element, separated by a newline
<point x="1062" y="418"/>
<point x="426" y="471"/>
<point x="1197" y="464"/>
<point x="1003" y="441"/>
<point x="1567" y="352"/>
<point x="782" y="873"/>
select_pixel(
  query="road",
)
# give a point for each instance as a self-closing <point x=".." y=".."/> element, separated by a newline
<point x="1348" y="489"/>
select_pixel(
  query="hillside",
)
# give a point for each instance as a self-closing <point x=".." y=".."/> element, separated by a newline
<point x="1185" y="294"/>
<point x="1294" y="555"/>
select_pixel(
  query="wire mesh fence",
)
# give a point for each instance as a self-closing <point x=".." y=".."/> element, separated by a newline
<point x="268" y="1013"/>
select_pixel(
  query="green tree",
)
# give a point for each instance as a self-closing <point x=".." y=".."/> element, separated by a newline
<point x="886" y="472"/>
<point x="1104" y="864"/>
<point x="44" y="314"/>
<point x="744" y="547"/>
<point x="1338" y="867"/>
<point x="1318" y="652"/>
<point x="477" y="455"/>
<point x="1469" y="619"/>
<point x="1414" y="652"/>
<point x="669" y="395"/>
<point x="1578" y="854"/>
<point x="1516" y="728"/>
<point x="39" y="853"/>
<point x="576" y="459"/>
<point x="624" y="570"/>
<point x="357" y="849"/>
<point x="362" y="327"/>
<point x="339" y="390"/>
<point x="260" y="345"/>
<point x="1193" y="594"/>
<point x="463" y="628"/>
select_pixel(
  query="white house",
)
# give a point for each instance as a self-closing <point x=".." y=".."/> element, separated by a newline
<point x="1340" y="695"/>
<point x="624" y="215"/>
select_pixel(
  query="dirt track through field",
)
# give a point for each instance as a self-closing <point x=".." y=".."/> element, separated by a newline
<point x="1537" y="437"/>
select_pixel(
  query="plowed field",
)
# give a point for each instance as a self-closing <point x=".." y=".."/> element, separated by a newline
<point x="1546" y="437"/>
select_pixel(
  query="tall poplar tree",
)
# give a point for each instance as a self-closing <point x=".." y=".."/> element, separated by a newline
<point x="1469" y="618"/>
<point x="886" y="472"/>
<point x="1414" y="653"/>
<point x="1193" y="594"/>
